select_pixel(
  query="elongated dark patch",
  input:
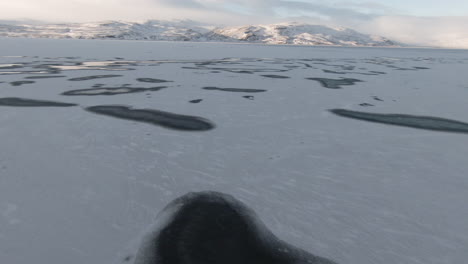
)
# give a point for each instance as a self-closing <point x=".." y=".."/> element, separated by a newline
<point x="422" y="122"/>
<point x="334" y="72"/>
<point x="335" y="83"/>
<point x="13" y="66"/>
<point x="23" y="102"/>
<point x="276" y="76"/>
<point x="155" y="117"/>
<point x="110" y="91"/>
<point x="19" y="83"/>
<point x="92" y="77"/>
<point x="196" y="101"/>
<point x="235" y="90"/>
<point x="151" y="80"/>
<point x="215" y="228"/>
<point x="44" y="77"/>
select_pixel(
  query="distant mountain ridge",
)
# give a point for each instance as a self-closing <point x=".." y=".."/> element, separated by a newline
<point x="282" y="33"/>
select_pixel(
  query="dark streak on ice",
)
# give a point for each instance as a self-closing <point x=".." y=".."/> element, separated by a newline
<point x="23" y="102"/>
<point x="19" y="83"/>
<point x="110" y="91"/>
<point x="215" y="228"/>
<point x="237" y="90"/>
<point x="92" y="77"/>
<point x="151" y="80"/>
<point x="155" y="117"/>
<point x="250" y="97"/>
<point x="334" y="72"/>
<point x="335" y="83"/>
<point x="45" y="77"/>
<point x="421" y="122"/>
<point x="196" y="101"/>
<point x="11" y="67"/>
<point x="276" y="76"/>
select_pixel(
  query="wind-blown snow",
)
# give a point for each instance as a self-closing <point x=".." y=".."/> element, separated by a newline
<point x="78" y="187"/>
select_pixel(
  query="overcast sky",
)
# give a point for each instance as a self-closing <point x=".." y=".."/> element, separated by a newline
<point x="427" y="22"/>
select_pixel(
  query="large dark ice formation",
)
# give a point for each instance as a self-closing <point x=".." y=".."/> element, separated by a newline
<point x="215" y="228"/>
<point x="24" y="102"/>
<point x="155" y="117"/>
<point x="422" y="122"/>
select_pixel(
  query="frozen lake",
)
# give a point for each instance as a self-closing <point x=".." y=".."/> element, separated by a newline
<point x="359" y="155"/>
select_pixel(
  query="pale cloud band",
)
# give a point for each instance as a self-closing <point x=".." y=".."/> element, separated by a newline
<point x="368" y="17"/>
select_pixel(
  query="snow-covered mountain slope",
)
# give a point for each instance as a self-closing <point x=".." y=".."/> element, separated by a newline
<point x="284" y="33"/>
<point x="302" y="34"/>
<point x="150" y="30"/>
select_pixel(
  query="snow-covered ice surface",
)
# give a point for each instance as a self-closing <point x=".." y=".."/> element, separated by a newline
<point x="79" y="187"/>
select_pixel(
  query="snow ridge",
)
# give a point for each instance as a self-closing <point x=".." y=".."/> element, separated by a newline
<point x="186" y="30"/>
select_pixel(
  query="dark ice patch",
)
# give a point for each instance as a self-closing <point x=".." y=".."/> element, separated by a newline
<point x="155" y="117"/>
<point x="366" y="104"/>
<point x="151" y="80"/>
<point x="9" y="67"/>
<point x="196" y="101"/>
<point x="421" y="68"/>
<point x="23" y="102"/>
<point x="236" y="90"/>
<point x="92" y="77"/>
<point x="377" y="98"/>
<point x="214" y="228"/>
<point x="250" y="97"/>
<point x="19" y="83"/>
<point x="276" y="76"/>
<point x="235" y="70"/>
<point x="347" y="67"/>
<point x="44" y="77"/>
<point x="110" y="91"/>
<point x="421" y="122"/>
<point x="335" y="83"/>
<point x="334" y="72"/>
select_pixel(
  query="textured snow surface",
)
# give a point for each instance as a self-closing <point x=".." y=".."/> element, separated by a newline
<point x="284" y="33"/>
<point x="78" y="187"/>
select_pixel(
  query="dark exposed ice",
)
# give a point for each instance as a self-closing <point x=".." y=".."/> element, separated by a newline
<point x="44" y="77"/>
<point x="13" y="66"/>
<point x="366" y="104"/>
<point x="422" y="122"/>
<point x="23" y="102"/>
<point x="151" y="80"/>
<point x="19" y="83"/>
<point x="335" y="83"/>
<point x="238" y="90"/>
<point x="155" y="117"/>
<point x="110" y="91"/>
<point x="250" y="97"/>
<point x="92" y="77"/>
<point x="276" y="76"/>
<point x="196" y="101"/>
<point x="334" y="72"/>
<point x="215" y="228"/>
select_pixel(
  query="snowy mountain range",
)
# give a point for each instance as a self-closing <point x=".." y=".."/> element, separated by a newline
<point x="283" y="33"/>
